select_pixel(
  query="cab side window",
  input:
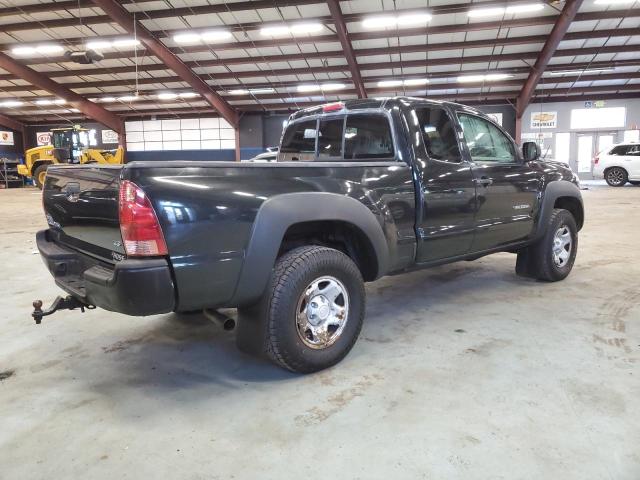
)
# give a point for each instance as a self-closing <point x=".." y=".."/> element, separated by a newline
<point x="299" y="142"/>
<point x="438" y="133"/>
<point x="485" y="141"/>
<point x="367" y="137"/>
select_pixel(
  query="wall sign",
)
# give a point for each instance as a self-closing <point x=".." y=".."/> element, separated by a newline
<point x="109" y="136"/>
<point x="6" y="138"/>
<point x="544" y="120"/>
<point x="43" y="138"/>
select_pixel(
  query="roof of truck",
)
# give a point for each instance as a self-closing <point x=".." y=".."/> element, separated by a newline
<point x="364" y="103"/>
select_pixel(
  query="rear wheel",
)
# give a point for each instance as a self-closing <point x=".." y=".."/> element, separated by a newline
<point x="40" y="175"/>
<point x="552" y="257"/>
<point x="311" y="313"/>
<point x="616" y="176"/>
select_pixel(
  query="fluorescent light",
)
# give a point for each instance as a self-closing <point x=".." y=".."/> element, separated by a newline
<point x="49" y="48"/>
<point x="417" y="19"/>
<point x="412" y="82"/>
<point x="126" y="42"/>
<point x="332" y="86"/>
<point x="491" y="77"/>
<point x="108" y="99"/>
<point x="188" y="95"/>
<point x="120" y="43"/>
<point x="405" y="20"/>
<point x="11" y="103"/>
<point x="51" y="101"/>
<point x="167" y="96"/>
<point x="215" y="35"/>
<point x="275" y="31"/>
<point x="129" y="98"/>
<point x="308" y="88"/>
<point x="533" y="7"/>
<point x="379" y="22"/>
<point x="580" y="72"/>
<point x="497" y="11"/>
<point x="253" y="91"/>
<point x="327" y="87"/>
<point x="186" y="38"/>
<point x="98" y="45"/>
<point x="390" y="83"/>
<point x="44" y="49"/>
<point x="306" y="27"/>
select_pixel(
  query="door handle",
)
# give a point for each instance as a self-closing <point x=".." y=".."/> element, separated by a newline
<point x="484" y="181"/>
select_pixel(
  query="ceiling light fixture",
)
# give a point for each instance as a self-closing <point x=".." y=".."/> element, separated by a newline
<point x="295" y="29"/>
<point x="51" y="101"/>
<point x="252" y="91"/>
<point x="119" y="43"/>
<point x="11" y="103"/>
<point x="108" y="99"/>
<point x="207" y="36"/>
<point x="167" y="96"/>
<point x="129" y="98"/>
<point x="44" y="49"/>
<point x="497" y="11"/>
<point x="406" y="20"/>
<point x="580" y="72"/>
<point x="491" y="77"/>
<point x="412" y="82"/>
<point x="188" y="95"/>
<point x="325" y="88"/>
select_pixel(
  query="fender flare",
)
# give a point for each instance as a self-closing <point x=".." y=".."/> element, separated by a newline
<point x="278" y="213"/>
<point x="553" y="191"/>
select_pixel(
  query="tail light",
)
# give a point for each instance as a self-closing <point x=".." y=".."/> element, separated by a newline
<point x="139" y="225"/>
<point x="596" y="159"/>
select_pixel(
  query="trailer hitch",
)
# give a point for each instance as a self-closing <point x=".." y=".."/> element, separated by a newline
<point x="68" y="303"/>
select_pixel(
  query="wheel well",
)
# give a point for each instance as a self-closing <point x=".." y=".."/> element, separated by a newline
<point x="342" y="236"/>
<point x="615" y="166"/>
<point x="574" y="206"/>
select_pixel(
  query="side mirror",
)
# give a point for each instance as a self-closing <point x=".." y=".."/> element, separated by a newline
<point x="530" y="151"/>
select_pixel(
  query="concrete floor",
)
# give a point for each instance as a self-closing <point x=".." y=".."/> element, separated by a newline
<point x="461" y="372"/>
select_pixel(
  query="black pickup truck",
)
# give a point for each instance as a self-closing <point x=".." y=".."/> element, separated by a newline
<point x="361" y="189"/>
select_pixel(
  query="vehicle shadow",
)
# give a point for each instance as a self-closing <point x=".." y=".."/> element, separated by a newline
<point x="188" y="352"/>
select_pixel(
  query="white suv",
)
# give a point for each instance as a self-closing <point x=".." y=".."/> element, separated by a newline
<point x="619" y="164"/>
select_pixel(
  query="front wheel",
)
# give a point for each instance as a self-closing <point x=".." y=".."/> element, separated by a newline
<point x="40" y="175"/>
<point x="616" y="177"/>
<point x="312" y="310"/>
<point x="551" y="259"/>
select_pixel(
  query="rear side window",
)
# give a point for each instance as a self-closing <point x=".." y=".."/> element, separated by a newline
<point x="439" y="134"/>
<point x="330" y="138"/>
<point x="619" y="150"/>
<point x="367" y="137"/>
<point x="634" y="150"/>
<point x="299" y="142"/>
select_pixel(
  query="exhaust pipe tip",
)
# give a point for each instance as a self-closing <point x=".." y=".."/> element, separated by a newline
<point x="220" y="319"/>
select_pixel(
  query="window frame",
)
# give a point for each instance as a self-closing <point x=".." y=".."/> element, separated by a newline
<point x="517" y="154"/>
<point x="344" y="115"/>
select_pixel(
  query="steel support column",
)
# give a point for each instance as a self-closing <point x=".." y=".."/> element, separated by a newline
<point x="122" y="17"/>
<point x="343" y="35"/>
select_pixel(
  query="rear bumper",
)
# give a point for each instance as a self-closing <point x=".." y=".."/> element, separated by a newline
<point x="133" y="287"/>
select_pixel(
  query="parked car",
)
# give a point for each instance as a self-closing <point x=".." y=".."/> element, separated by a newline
<point x="362" y="189"/>
<point x="271" y="155"/>
<point x="619" y="164"/>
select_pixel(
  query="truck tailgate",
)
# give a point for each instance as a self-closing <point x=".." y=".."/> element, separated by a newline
<point x="81" y="205"/>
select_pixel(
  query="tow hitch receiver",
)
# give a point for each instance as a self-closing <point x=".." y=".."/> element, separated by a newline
<point x="68" y="303"/>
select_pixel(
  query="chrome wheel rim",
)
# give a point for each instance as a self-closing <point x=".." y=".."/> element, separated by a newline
<point x="322" y="312"/>
<point x="562" y="244"/>
<point x="615" y="176"/>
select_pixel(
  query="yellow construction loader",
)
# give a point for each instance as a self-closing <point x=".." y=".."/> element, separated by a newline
<point x="69" y="145"/>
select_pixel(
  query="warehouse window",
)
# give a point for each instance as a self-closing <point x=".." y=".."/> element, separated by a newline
<point x="367" y="137"/>
<point x="485" y="141"/>
<point x="438" y="133"/>
<point x="299" y="142"/>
